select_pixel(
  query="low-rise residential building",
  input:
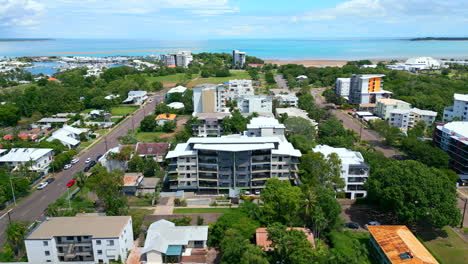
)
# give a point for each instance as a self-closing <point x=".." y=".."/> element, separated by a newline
<point x="453" y="139"/>
<point x="367" y="89"/>
<point x="167" y="243"/>
<point x="239" y="88"/>
<point x="255" y="104"/>
<point x="261" y="237"/>
<point x="385" y="106"/>
<point x="176" y="105"/>
<point x="131" y="181"/>
<point x="209" y="124"/>
<point x="295" y="112"/>
<point x="49" y="121"/>
<point x="231" y="162"/>
<point x="287" y="99"/>
<point x="342" y="87"/>
<point x="176" y="90"/>
<point x="39" y="158"/>
<point x="209" y="98"/>
<point x="458" y="110"/>
<point x="136" y="97"/>
<point x="69" y="136"/>
<point x="110" y="161"/>
<point x="157" y="151"/>
<point x="30" y="137"/>
<point x="264" y="127"/>
<point x="354" y="170"/>
<point x="406" y="119"/>
<point x="396" y="244"/>
<point x="80" y="239"/>
<point x="163" y="118"/>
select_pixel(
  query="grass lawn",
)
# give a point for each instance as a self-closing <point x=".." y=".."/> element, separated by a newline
<point x="86" y="144"/>
<point x="449" y="250"/>
<point x="148" y="136"/>
<point x="123" y="110"/>
<point x="135" y="201"/>
<point x="216" y="80"/>
<point x="346" y="243"/>
<point x="203" y="210"/>
<point x="86" y="111"/>
<point x="174" y="78"/>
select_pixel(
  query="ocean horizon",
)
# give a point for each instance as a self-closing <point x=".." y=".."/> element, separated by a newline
<point x="268" y="49"/>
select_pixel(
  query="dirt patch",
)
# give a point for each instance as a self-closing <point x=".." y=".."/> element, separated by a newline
<point x="180" y="125"/>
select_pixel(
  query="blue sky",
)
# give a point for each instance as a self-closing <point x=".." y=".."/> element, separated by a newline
<point x="225" y="19"/>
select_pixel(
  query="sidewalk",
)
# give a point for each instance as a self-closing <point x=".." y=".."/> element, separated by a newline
<point x="165" y="206"/>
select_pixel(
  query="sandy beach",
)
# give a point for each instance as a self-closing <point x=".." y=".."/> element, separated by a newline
<point x="310" y="63"/>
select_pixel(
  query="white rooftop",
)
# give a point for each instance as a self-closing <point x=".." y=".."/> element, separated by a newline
<point x="178" y="89"/>
<point x="137" y="93"/>
<point x="25" y="154"/>
<point x="295" y="112"/>
<point x="414" y="110"/>
<point x="368" y="76"/>
<point x="264" y="122"/>
<point x="390" y="101"/>
<point x="162" y="234"/>
<point x="458" y="130"/>
<point x="461" y="97"/>
<point x="176" y="105"/>
<point x="347" y="156"/>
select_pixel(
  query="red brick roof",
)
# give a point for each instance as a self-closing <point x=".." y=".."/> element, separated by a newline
<point x="152" y="148"/>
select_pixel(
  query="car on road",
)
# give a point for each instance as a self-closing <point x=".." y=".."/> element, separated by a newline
<point x="88" y="160"/>
<point x="71" y="183"/>
<point x="99" y="156"/>
<point x="92" y="163"/>
<point x="257" y="192"/>
<point x="50" y="180"/>
<point x="87" y="168"/>
<point x="74" y="161"/>
<point x="352" y="225"/>
<point x="372" y="223"/>
<point x="68" y="166"/>
<point x="42" y="185"/>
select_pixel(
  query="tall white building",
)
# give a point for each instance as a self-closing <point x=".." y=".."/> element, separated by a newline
<point x="239" y="88"/>
<point x="40" y="158"/>
<point x="255" y="104"/>
<point x="366" y="89"/>
<point x="354" y="170"/>
<point x="180" y="59"/>
<point x="342" y="86"/>
<point x="238" y="58"/>
<point x="408" y="118"/>
<point x="209" y="98"/>
<point x="80" y="239"/>
<point x="459" y="109"/>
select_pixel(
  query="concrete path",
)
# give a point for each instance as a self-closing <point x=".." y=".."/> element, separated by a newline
<point x="165" y="206"/>
<point x="135" y="254"/>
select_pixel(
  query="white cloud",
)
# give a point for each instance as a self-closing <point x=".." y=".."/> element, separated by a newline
<point x="20" y="12"/>
<point x="237" y="30"/>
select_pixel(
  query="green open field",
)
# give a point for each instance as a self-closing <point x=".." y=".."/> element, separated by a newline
<point x="216" y="80"/>
<point x="203" y="210"/>
<point x="449" y="250"/>
<point x="123" y="110"/>
<point x="148" y="136"/>
<point x="174" y="78"/>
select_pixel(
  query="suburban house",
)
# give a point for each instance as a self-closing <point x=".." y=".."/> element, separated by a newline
<point x="80" y="239"/>
<point x="261" y="237"/>
<point x="354" y="170"/>
<point x="69" y="136"/>
<point x="396" y="244"/>
<point x="163" y="118"/>
<point x="52" y="121"/>
<point x="167" y="243"/>
<point x="453" y="139"/>
<point x="176" y="90"/>
<point x="40" y="158"/>
<point x="157" y="151"/>
<point x="459" y="109"/>
<point x="209" y="124"/>
<point x="95" y="114"/>
<point x="30" y="137"/>
<point x="136" y="183"/>
<point x="136" y="97"/>
<point x="109" y="161"/>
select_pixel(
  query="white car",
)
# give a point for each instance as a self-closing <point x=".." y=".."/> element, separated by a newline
<point x="257" y="192"/>
<point x="68" y="166"/>
<point x="74" y="161"/>
<point x="88" y="160"/>
<point x="42" y="185"/>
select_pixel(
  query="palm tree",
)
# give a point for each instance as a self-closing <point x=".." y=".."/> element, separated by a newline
<point x="80" y="178"/>
<point x="16" y="232"/>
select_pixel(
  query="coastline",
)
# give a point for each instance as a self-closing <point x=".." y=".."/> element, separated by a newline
<point x="310" y="63"/>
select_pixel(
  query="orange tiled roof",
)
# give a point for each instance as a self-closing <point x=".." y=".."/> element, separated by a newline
<point x="166" y="116"/>
<point x="396" y="239"/>
<point x="261" y="236"/>
<point x="52" y="79"/>
<point x="131" y="180"/>
<point x="23" y="137"/>
<point x="171" y="66"/>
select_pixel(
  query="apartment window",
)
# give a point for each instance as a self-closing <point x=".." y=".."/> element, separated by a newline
<point x="47" y="253"/>
<point x="98" y="242"/>
<point x="99" y="252"/>
<point x="48" y="260"/>
<point x="45" y="243"/>
<point x="110" y="242"/>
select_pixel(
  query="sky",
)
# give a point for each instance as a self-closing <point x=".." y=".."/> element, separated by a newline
<point x="232" y="19"/>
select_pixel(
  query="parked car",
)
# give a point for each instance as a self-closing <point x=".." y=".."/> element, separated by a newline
<point x="257" y="192"/>
<point x="68" y="166"/>
<point x="50" y="180"/>
<point x="352" y="225"/>
<point x="74" y="161"/>
<point x="99" y="156"/>
<point x="372" y="223"/>
<point x="86" y="169"/>
<point x="42" y="185"/>
<point x="71" y="183"/>
<point x="92" y="163"/>
<point x="88" y="160"/>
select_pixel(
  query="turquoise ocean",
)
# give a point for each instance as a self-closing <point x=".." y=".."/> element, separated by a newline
<point x="284" y="49"/>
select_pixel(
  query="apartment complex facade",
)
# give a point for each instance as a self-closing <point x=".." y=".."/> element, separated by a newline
<point x="367" y="89"/>
<point x="238" y="58"/>
<point x="231" y="162"/>
<point x="406" y="119"/>
<point x="255" y="104"/>
<point x="265" y="127"/>
<point x="354" y="170"/>
<point x="385" y="106"/>
<point x="209" y="98"/>
<point x="209" y="124"/>
<point x="239" y="88"/>
<point x="458" y="110"/>
<point x="80" y="239"/>
<point x="179" y="59"/>
<point x="342" y="86"/>
<point x="453" y="139"/>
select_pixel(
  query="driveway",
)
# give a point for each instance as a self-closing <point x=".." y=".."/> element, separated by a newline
<point x="165" y="206"/>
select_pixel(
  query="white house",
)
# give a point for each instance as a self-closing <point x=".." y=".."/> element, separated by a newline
<point x="136" y="97"/>
<point x="113" y="164"/>
<point x="459" y="109"/>
<point x="176" y="105"/>
<point x="354" y="171"/>
<point x="80" y="239"/>
<point x="164" y="239"/>
<point x="69" y="136"/>
<point x="39" y="157"/>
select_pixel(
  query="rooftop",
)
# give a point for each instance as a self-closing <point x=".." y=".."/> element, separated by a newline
<point x="457" y="130"/>
<point x="132" y="179"/>
<point x="389" y="101"/>
<point x="53" y="120"/>
<point x="414" y="110"/>
<point x="369" y="76"/>
<point x="261" y="236"/>
<point x="25" y="154"/>
<point x="400" y="245"/>
<point x="176" y="105"/>
<point x="96" y="226"/>
<point x="178" y="89"/>
<point x="152" y="148"/>
<point x="166" y="116"/>
<point x="347" y="156"/>
<point x="460" y="97"/>
<point x="264" y="122"/>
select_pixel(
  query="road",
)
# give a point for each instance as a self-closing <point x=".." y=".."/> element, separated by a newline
<point x="32" y="207"/>
<point x="348" y="122"/>
<point x="281" y="82"/>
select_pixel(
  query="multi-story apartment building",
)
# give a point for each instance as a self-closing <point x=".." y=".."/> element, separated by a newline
<point x="354" y="170"/>
<point x="238" y="58"/>
<point x="209" y="124"/>
<point x="342" y="87"/>
<point x="459" y="109"/>
<point x="255" y="104"/>
<point x="406" y="119"/>
<point x="239" y="88"/>
<point x="264" y="127"/>
<point x="453" y="139"/>
<point x="39" y="158"/>
<point x="209" y="98"/>
<point x="231" y="162"/>
<point x="180" y="59"/>
<point x="366" y="89"/>
<point x="80" y="239"/>
<point x="385" y="106"/>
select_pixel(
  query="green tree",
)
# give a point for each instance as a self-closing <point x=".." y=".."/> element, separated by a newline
<point x="290" y="246"/>
<point x="108" y="186"/>
<point x="237" y="249"/>
<point x="235" y="124"/>
<point x="326" y="171"/>
<point x="269" y="78"/>
<point x="300" y="126"/>
<point x="15" y="233"/>
<point x="10" y="115"/>
<point x="281" y="201"/>
<point x="148" y="124"/>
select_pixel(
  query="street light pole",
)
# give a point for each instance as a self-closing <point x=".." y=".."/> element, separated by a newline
<point x="464" y="211"/>
<point x="12" y="189"/>
<point x="69" y="203"/>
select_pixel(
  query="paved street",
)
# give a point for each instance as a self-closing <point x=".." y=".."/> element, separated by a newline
<point x="281" y="82"/>
<point x="32" y="208"/>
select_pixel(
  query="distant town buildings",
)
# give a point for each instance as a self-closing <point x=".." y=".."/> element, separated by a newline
<point x="239" y="88"/>
<point x="386" y="105"/>
<point x="179" y="59"/>
<point x="209" y="98"/>
<point x="354" y="170"/>
<point x="453" y="139"/>
<point x="255" y="104"/>
<point x="458" y="110"/>
<point x="417" y="64"/>
<point x="408" y="118"/>
<point x="342" y="86"/>
<point x="39" y="159"/>
<point x="85" y="239"/>
<point x="238" y="59"/>
<point x="366" y="89"/>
